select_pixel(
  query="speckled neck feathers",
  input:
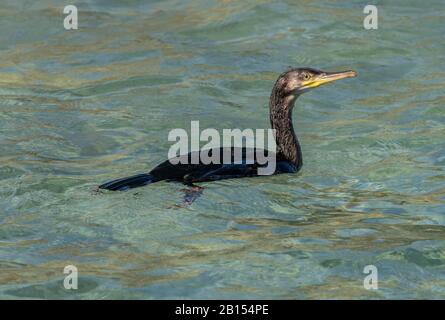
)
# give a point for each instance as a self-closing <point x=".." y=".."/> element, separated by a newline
<point x="288" y="147"/>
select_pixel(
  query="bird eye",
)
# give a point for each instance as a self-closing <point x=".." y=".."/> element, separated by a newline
<point x="306" y="76"/>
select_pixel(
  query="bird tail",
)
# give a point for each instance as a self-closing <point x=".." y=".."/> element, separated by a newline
<point x="129" y="182"/>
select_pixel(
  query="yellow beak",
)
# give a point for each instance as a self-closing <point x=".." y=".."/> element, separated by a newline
<point x="327" y="77"/>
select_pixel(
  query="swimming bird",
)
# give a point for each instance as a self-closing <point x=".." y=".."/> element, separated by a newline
<point x="288" y="87"/>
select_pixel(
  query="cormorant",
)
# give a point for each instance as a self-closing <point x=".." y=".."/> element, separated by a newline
<point x="288" y="87"/>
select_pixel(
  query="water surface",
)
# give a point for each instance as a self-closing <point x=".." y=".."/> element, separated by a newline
<point x="84" y="106"/>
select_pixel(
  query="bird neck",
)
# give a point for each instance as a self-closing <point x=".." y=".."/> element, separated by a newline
<point x="288" y="147"/>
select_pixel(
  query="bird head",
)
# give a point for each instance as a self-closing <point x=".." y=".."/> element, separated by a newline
<point x="300" y="80"/>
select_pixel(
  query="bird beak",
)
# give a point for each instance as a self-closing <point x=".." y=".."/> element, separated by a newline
<point x="327" y="77"/>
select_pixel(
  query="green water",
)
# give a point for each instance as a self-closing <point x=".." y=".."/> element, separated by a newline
<point x="84" y="106"/>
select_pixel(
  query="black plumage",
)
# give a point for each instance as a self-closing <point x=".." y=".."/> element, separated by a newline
<point x="288" y="87"/>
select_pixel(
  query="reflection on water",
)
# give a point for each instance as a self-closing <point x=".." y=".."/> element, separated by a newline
<point x="82" y="107"/>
